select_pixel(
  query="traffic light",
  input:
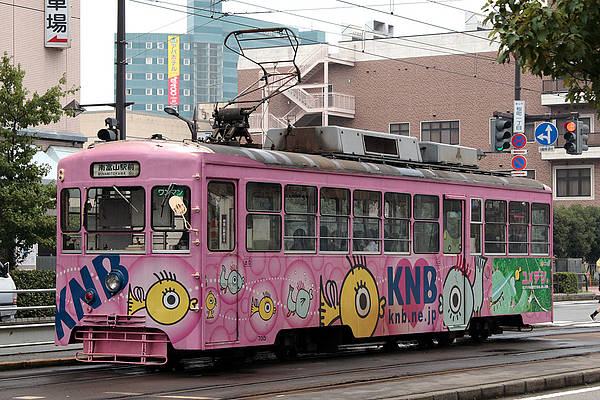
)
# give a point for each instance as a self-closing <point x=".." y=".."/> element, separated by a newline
<point x="582" y="137"/>
<point x="111" y="133"/>
<point x="500" y="134"/>
<point x="571" y="137"/>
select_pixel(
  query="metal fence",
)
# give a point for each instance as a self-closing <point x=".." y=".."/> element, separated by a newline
<point x="20" y="334"/>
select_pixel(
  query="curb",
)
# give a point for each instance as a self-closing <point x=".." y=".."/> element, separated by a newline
<point x="575" y="296"/>
<point x="12" y="365"/>
<point x="513" y="388"/>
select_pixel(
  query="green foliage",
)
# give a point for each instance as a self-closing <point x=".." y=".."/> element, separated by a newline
<point x="566" y="282"/>
<point x="35" y="280"/>
<point x="24" y="200"/>
<point x="577" y="232"/>
<point x="559" y="39"/>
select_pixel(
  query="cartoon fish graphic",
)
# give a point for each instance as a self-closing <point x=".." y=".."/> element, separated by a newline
<point x="265" y="307"/>
<point x="234" y="281"/>
<point x="167" y="301"/>
<point x="301" y="305"/>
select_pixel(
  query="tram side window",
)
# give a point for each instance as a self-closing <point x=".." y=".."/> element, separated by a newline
<point x="169" y="232"/>
<point x="114" y="216"/>
<point x="221" y="216"/>
<point x="426" y="228"/>
<point x="495" y="226"/>
<point x="452" y="226"/>
<point x="299" y="226"/>
<point x="476" y="224"/>
<point x="333" y="227"/>
<point x="396" y="225"/>
<point x="70" y="220"/>
<point x="263" y="226"/>
<point x="366" y="224"/>
<point x="518" y="227"/>
<point x="540" y="228"/>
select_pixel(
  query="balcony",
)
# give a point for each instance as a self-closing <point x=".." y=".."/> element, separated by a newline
<point x="557" y="152"/>
<point x="554" y="92"/>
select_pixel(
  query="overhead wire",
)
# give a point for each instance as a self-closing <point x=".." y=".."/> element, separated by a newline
<point x="399" y="60"/>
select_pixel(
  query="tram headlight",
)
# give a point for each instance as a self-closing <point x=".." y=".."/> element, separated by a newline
<point x="114" y="281"/>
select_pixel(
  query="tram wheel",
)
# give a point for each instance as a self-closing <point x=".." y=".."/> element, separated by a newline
<point x="444" y="339"/>
<point x="286" y="352"/>
<point x="425" y="342"/>
<point x="390" y="346"/>
<point x="479" y="335"/>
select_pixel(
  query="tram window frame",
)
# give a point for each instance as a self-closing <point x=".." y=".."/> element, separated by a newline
<point x="426" y="225"/>
<point x="366" y="214"/>
<point x="71" y="233"/>
<point x="514" y="246"/>
<point x="535" y="225"/>
<point x="267" y="213"/>
<point x="172" y="238"/>
<point x="329" y="242"/>
<point x="225" y="230"/>
<point x="395" y="220"/>
<point x="111" y="240"/>
<point x="450" y="206"/>
<point x="491" y="223"/>
<point x="476" y="225"/>
<point x="300" y="219"/>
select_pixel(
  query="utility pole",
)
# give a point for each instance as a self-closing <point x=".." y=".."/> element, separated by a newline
<point x="121" y="64"/>
<point x="517" y="80"/>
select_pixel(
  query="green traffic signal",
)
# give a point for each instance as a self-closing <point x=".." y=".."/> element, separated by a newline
<point x="500" y="134"/>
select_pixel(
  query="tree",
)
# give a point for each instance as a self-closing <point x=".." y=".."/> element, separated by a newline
<point x="577" y="232"/>
<point x="24" y="200"/>
<point x="559" y="39"/>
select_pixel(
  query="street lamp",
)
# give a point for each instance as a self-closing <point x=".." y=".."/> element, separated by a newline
<point x="193" y="125"/>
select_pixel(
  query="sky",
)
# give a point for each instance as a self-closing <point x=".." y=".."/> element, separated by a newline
<point x="99" y="24"/>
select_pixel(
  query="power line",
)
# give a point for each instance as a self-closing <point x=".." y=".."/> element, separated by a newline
<point x="403" y="61"/>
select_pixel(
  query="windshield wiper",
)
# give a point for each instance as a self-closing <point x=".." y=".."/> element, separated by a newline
<point x="125" y="198"/>
<point x="162" y="205"/>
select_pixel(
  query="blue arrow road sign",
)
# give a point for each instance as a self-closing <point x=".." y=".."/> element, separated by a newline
<point x="546" y="133"/>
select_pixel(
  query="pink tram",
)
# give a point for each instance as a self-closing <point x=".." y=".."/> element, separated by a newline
<point x="333" y="235"/>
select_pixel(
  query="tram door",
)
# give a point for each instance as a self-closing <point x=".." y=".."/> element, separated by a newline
<point x="457" y="284"/>
<point x="224" y="274"/>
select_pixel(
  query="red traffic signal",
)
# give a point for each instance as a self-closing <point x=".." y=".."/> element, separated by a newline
<point x="570" y="126"/>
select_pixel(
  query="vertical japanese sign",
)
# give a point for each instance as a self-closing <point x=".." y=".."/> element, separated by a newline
<point x="57" y="23"/>
<point x="173" y="65"/>
<point x="519" y="117"/>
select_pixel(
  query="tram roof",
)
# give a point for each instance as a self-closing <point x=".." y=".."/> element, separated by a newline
<point x="315" y="162"/>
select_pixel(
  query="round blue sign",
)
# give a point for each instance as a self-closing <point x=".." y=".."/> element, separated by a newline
<point x="519" y="162"/>
<point x="546" y="133"/>
<point x="519" y="140"/>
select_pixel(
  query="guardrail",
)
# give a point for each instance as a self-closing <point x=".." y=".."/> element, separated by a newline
<point x="13" y="335"/>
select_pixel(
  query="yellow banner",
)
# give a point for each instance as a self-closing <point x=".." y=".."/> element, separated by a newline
<point x="173" y="56"/>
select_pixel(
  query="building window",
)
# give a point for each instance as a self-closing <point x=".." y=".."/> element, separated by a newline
<point x="186" y="77"/>
<point x="400" y="128"/>
<point x="128" y="60"/>
<point x="160" y="61"/>
<point x="186" y="46"/>
<point x="149" y="92"/>
<point x="573" y="182"/>
<point x="186" y="92"/>
<point x="128" y="76"/>
<point x="160" y="76"/>
<point x="160" y="92"/>
<point x="129" y="45"/>
<point x="440" y="132"/>
<point x="160" y="107"/>
<point x="148" y="76"/>
<point x="148" y="60"/>
<point x="186" y="107"/>
<point x="186" y="61"/>
<point x="148" y="45"/>
<point x="148" y="107"/>
<point x="129" y="107"/>
<point x="128" y="91"/>
<point x="160" y="45"/>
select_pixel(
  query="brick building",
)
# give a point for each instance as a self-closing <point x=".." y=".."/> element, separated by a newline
<point x="441" y="88"/>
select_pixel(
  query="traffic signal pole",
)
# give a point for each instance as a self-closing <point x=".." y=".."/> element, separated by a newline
<point x="121" y="64"/>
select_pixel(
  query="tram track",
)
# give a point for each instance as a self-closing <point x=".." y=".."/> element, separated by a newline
<point x="407" y="363"/>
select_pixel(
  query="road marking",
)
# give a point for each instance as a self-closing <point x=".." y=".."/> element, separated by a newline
<point x="125" y="393"/>
<point x="168" y="396"/>
<point x="560" y="394"/>
<point x="28" y="397"/>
